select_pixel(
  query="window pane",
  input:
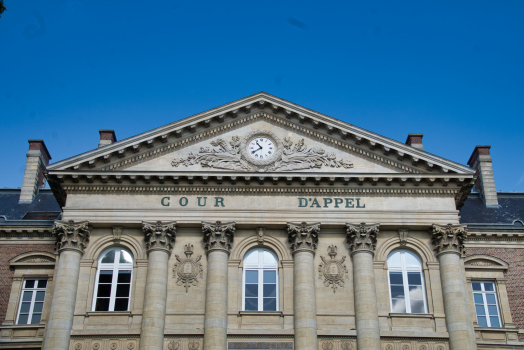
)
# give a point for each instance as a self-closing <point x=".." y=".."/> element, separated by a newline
<point x="121" y="304"/>
<point x="30" y="283"/>
<point x="394" y="259"/>
<point x="490" y="298"/>
<point x="270" y="290"/>
<point x="251" y="304"/>
<point x="27" y="296"/>
<point x="252" y="290"/>
<point x="476" y="286"/>
<point x="397" y="292"/>
<point x="251" y="276"/>
<point x="270" y="304"/>
<point x="492" y="310"/>
<point x="25" y="308"/>
<point x="478" y="299"/>
<point x="109" y="258"/>
<point x="125" y="257"/>
<point x="102" y="304"/>
<point x="124" y="276"/>
<point x="105" y="277"/>
<point x="22" y="319"/>
<point x="481" y="320"/>
<point x="480" y="310"/>
<point x="270" y="276"/>
<point x="269" y="258"/>
<point x="411" y="260"/>
<point x="414" y="278"/>
<point x="252" y="257"/>
<point x="488" y="287"/>
<point x="395" y="278"/>
<point x="494" y="321"/>
<point x="417" y="306"/>
<point x="122" y="290"/>
<point x="398" y="305"/>
<point x="415" y="292"/>
<point x="38" y="308"/>
<point x="42" y="283"/>
<point x="36" y="318"/>
<point x="40" y="296"/>
<point x="104" y="290"/>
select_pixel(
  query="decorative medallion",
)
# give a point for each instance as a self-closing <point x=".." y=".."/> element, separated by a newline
<point x="131" y="346"/>
<point x="187" y="270"/>
<point x="78" y="346"/>
<point x="96" y="346"/>
<point x="173" y="345"/>
<point x="389" y="347"/>
<point x="345" y="345"/>
<point x="113" y="346"/>
<point x="333" y="270"/>
<point x="261" y="150"/>
<point x="193" y="344"/>
<point x="327" y="345"/>
<point x="405" y="347"/>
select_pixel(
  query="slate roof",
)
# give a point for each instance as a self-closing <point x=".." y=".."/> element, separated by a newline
<point x="511" y="208"/>
<point x="43" y="208"/>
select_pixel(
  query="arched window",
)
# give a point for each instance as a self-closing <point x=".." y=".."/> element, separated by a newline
<point x="260" y="287"/>
<point x="113" y="280"/>
<point x="406" y="283"/>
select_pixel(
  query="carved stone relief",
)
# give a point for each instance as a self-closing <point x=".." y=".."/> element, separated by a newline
<point x="218" y="235"/>
<point x="159" y="236"/>
<point x="333" y="270"/>
<point x="71" y="235"/>
<point x="362" y="236"/>
<point x="187" y="270"/>
<point x="449" y="238"/>
<point x="303" y="236"/>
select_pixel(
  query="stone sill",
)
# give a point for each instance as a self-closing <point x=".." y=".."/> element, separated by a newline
<point x="261" y="313"/>
<point x="19" y="326"/>
<point x="411" y="315"/>
<point x="495" y="329"/>
<point x="107" y="313"/>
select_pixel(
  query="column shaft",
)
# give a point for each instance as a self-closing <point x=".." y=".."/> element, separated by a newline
<point x="215" y="322"/>
<point x="458" y="320"/>
<point x="63" y="304"/>
<point x="154" y="314"/>
<point x="366" y="311"/>
<point x="304" y="301"/>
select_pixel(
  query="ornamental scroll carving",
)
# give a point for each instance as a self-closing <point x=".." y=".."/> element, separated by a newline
<point x="362" y="236"/>
<point x="71" y="235"/>
<point x="218" y="235"/>
<point x="187" y="270"/>
<point x="449" y="238"/>
<point x="291" y="156"/>
<point x="303" y="236"/>
<point x="159" y="236"/>
<point x="333" y="270"/>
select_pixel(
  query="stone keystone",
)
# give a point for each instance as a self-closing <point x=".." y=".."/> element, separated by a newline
<point x="159" y="236"/>
<point x="218" y="235"/>
<point x="70" y="235"/>
<point x="362" y="236"/>
<point x="449" y="238"/>
<point x="303" y="236"/>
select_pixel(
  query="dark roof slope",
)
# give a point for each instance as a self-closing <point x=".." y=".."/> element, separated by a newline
<point x="511" y="208"/>
<point x="42" y="206"/>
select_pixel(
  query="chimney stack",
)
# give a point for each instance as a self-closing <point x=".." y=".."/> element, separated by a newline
<point x="480" y="160"/>
<point x="37" y="160"/>
<point x="415" y="140"/>
<point x="107" y="137"/>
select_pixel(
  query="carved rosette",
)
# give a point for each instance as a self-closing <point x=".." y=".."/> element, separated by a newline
<point x="449" y="238"/>
<point x="71" y="235"/>
<point x="362" y="236"/>
<point x="187" y="270"/>
<point x="218" y="235"/>
<point x="303" y="236"/>
<point x="159" y="236"/>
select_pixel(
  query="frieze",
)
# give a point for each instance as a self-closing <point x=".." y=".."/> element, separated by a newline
<point x="260" y="345"/>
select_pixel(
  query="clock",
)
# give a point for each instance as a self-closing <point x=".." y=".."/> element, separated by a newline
<point x="261" y="148"/>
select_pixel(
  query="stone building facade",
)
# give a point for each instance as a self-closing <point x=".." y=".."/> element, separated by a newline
<point x="260" y="224"/>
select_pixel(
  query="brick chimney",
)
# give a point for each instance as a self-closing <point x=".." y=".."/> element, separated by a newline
<point x="415" y="140"/>
<point x="480" y="160"/>
<point x="37" y="160"/>
<point x="107" y="137"/>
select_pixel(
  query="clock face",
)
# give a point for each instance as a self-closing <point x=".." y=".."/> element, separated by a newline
<point x="261" y="148"/>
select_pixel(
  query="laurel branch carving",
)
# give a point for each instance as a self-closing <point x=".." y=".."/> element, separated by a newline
<point x="187" y="270"/>
<point x="333" y="270"/>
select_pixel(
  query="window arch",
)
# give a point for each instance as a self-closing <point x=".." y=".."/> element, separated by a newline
<point x="406" y="283"/>
<point x="260" y="281"/>
<point x="113" y="280"/>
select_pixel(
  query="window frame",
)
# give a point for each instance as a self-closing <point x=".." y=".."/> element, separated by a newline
<point x="34" y="291"/>
<point x="260" y="267"/>
<point x="115" y="268"/>
<point x="404" y="269"/>
<point x="483" y="292"/>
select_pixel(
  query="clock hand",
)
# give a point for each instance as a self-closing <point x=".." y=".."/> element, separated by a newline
<point x="258" y="149"/>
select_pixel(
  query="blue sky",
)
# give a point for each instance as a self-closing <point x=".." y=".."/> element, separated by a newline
<point x="452" y="70"/>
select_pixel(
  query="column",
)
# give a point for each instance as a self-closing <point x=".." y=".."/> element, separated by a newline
<point x="160" y="238"/>
<point x="449" y="243"/>
<point x="304" y="239"/>
<point x="218" y="237"/>
<point x="362" y="241"/>
<point x="72" y="239"/>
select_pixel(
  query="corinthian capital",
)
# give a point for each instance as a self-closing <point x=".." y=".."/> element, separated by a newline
<point x="159" y="236"/>
<point x="71" y="235"/>
<point x="303" y="236"/>
<point x="362" y="236"/>
<point x="218" y="235"/>
<point x="449" y="238"/>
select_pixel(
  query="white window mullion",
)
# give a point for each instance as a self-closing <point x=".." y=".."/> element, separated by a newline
<point x="486" y="311"/>
<point x="32" y="306"/>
